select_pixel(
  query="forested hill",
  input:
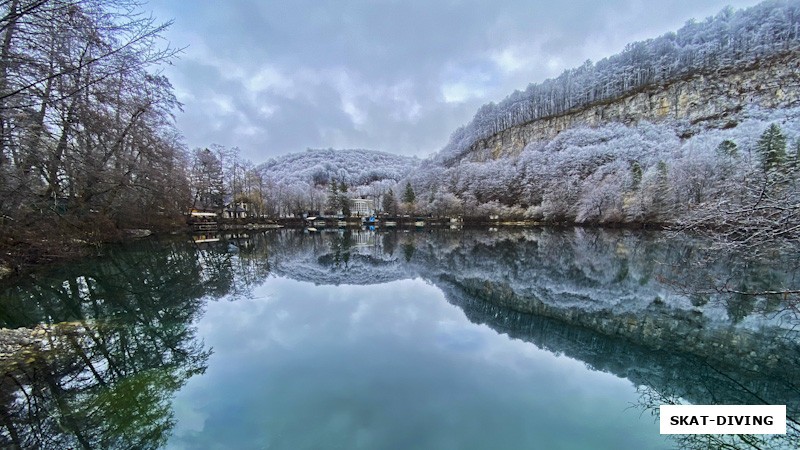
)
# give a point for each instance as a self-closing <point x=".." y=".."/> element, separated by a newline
<point x="698" y="128"/>
<point x="353" y="167"/>
<point x="733" y="41"/>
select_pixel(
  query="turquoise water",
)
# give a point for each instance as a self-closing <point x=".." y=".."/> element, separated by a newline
<point x="392" y="365"/>
<point x="449" y="339"/>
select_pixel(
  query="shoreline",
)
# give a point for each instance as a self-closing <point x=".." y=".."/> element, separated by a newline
<point x="15" y="263"/>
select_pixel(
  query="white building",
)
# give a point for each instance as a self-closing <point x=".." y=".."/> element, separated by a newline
<point x="361" y="207"/>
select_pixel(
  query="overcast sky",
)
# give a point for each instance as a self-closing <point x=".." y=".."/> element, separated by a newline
<point x="274" y="77"/>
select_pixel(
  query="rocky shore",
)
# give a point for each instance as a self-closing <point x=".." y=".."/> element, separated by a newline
<point x="25" y="345"/>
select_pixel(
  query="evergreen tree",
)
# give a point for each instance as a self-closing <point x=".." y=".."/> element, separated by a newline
<point x="344" y="199"/>
<point x="344" y="204"/>
<point x="333" y="197"/>
<point x="409" y="196"/>
<point x="771" y="148"/>
<point x="636" y="175"/>
<point x="208" y="180"/>
<point x="727" y="151"/>
<point x="728" y="148"/>
<point x="390" y="203"/>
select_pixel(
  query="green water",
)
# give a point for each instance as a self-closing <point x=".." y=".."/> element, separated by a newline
<point x="450" y="339"/>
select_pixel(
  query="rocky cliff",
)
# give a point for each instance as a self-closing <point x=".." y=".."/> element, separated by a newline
<point x="717" y="99"/>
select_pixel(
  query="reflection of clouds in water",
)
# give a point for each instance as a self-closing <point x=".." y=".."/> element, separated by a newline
<point x="385" y="366"/>
<point x="451" y="336"/>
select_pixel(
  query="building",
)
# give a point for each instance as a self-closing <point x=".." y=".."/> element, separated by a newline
<point x="237" y="210"/>
<point x="201" y="211"/>
<point x="361" y="207"/>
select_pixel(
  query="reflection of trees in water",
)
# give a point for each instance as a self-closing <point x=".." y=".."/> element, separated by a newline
<point x="729" y="365"/>
<point x="94" y="392"/>
<point x="592" y="266"/>
<point x="124" y="343"/>
<point x="339" y="255"/>
<point x="109" y="385"/>
<point x="250" y="266"/>
<point x="650" y="400"/>
<point x="658" y="345"/>
<point x="408" y="251"/>
<point x="762" y="282"/>
<point x="666" y="376"/>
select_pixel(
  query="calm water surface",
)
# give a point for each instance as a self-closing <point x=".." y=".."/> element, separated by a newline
<point x="462" y="339"/>
<point x="392" y="365"/>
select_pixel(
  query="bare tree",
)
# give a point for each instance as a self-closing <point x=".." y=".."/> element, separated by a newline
<point x="86" y="127"/>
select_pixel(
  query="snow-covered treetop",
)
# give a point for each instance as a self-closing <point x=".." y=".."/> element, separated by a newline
<point x="353" y="167"/>
<point x="732" y="39"/>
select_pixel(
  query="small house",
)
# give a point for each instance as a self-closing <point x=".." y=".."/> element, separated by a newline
<point x="237" y="210"/>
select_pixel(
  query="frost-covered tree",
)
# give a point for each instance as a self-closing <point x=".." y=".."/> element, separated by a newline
<point x="408" y="194"/>
<point x="771" y="148"/>
<point x="333" y="197"/>
<point x="389" y="203"/>
<point x="728" y="148"/>
<point x="736" y="39"/>
<point x="207" y="179"/>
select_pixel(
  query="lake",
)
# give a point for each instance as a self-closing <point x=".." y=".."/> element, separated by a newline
<point x="440" y="339"/>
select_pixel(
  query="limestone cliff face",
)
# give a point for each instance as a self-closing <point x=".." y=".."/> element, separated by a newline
<point x="657" y="327"/>
<point x="647" y="360"/>
<point x="697" y="102"/>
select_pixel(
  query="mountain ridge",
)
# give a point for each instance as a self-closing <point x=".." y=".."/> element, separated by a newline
<point x="351" y="166"/>
<point x="730" y="42"/>
<point x="702" y="101"/>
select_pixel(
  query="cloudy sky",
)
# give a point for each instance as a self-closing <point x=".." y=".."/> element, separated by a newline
<point x="274" y="77"/>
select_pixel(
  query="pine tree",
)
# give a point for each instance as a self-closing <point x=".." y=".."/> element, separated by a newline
<point x="208" y="179"/>
<point x="344" y="199"/>
<point x="728" y="148"/>
<point x="636" y="175"/>
<point x="409" y="196"/>
<point x="772" y="148"/>
<point x="333" y="197"/>
<point x="390" y="203"/>
<point x="344" y="204"/>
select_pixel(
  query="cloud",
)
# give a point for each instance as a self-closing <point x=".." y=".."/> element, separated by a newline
<point x="279" y="76"/>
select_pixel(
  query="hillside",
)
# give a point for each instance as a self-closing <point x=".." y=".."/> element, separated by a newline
<point x="300" y="183"/>
<point x="704" y="72"/>
<point x="353" y="167"/>
<point x="695" y="128"/>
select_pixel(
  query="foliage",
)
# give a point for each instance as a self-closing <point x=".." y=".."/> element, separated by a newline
<point x="771" y="148"/>
<point x="408" y="194"/>
<point x="390" y="203"/>
<point x="302" y="182"/>
<point x="86" y="126"/>
<point x="728" y="148"/>
<point x="734" y="39"/>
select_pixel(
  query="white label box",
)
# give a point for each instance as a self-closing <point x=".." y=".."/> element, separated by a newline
<point x="723" y="419"/>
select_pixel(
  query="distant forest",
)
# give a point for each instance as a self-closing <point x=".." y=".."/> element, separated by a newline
<point x="90" y="147"/>
<point x="732" y="40"/>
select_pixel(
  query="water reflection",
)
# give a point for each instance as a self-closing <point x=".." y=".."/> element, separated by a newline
<point x="601" y="297"/>
<point x="112" y="343"/>
<point x="123" y="334"/>
<point x="394" y="366"/>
